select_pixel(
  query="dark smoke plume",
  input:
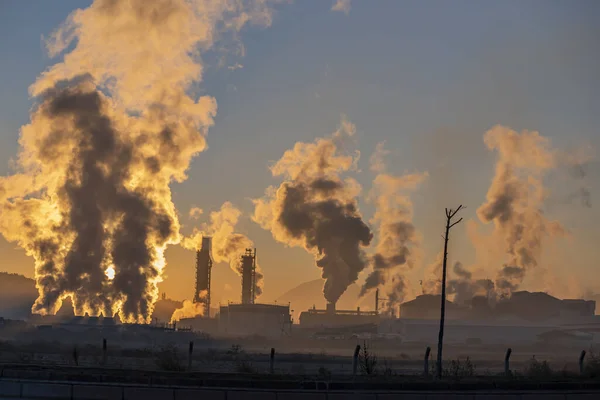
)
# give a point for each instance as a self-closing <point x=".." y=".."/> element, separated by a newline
<point x="113" y="126"/>
<point x="316" y="209"/>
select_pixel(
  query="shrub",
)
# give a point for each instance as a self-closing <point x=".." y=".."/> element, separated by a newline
<point x="324" y="373"/>
<point x="538" y="369"/>
<point x="458" y="369"/>
<point x="367" y="360"/>
<point x="591" y="368"/>
<point x="167" y="359"/>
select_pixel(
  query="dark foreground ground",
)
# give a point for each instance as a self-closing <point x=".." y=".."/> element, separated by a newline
<point x="294" y="382"/>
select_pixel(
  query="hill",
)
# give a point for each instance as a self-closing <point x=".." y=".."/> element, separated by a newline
<point x="309" y="294"/>
<point x="17" y="294"/>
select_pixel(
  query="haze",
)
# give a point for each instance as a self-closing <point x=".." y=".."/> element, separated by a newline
<point x="421" y="104"/>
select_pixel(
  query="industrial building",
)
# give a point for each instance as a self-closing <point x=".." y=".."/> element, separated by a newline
<point x="266" y="320"/>
<point x="523" y="305"/>
<point x="249" y="318"/>
<point x="204" y="264"/>
<point x="332" y="318"/>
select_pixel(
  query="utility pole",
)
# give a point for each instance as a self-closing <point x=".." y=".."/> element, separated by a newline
<point x="449" y="224"/>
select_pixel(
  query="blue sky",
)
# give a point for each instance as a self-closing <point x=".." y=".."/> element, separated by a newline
<point x="428" y="77"/>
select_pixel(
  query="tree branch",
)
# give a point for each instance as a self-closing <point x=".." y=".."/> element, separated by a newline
<point x="457" y="222"/>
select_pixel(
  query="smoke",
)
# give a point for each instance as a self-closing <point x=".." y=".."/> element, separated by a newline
<point x="227" y="245"/>
<point x="190" y="309"/>
<point x="316" y="209"/>
<point x="514" y="201"/>
<point x="113" y="125"/>
<point x="397" y="237"/>
<point x="464" y="287"/>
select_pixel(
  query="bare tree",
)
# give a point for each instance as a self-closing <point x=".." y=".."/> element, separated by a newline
<point x="450" y="214"/>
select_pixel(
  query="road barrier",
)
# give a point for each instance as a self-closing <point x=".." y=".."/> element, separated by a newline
<point x="78" y="391"/>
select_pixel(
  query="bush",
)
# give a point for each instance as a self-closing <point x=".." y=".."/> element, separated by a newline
<point x="591" y="367"/>
<point x="324" y="373"/>
<point x="167" y="359"/>
<point x="241" y="360"/>
<point x="538" y="369"/>
<point x="458" y="369"/>
<point x="367" y="360"/>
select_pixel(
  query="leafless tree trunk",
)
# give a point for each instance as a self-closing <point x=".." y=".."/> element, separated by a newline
<point x="449" y="224"/>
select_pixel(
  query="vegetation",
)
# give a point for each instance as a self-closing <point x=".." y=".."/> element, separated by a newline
<point x="167" y="359"/>
<point x="241" y="360"/>
<point x="538" y="370"/>
<point x="367" y="360"/>
<point x="459" y="369"/>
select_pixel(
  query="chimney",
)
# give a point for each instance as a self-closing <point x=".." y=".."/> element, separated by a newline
<point x="248" y="276"/>
<point x="330" y="308"/>
<point x="203" y="270"/>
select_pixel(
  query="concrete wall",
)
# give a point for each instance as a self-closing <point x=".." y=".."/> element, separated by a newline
<point x="66" y="391"/>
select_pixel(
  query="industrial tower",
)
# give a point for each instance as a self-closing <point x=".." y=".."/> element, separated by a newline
<point x="248" y="276"/>
<point x="204" y="263"/>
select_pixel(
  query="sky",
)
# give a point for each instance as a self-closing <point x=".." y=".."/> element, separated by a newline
<point x="427" y="77"/>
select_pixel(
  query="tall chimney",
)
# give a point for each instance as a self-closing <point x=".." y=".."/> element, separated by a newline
<point x="330" y="308"/>
<point x="248" y="276"/>
<point x="203" y="269"/>
<point x="377" y="300"/>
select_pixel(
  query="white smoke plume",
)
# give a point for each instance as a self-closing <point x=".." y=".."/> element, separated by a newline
<point x="113" y="125"/>
<point x="316" y="209"/>
<point x="190" y="309"/>
<point x="227" y="244"/>
<point x="515" y="199"/>
<point x="397" y="238"/>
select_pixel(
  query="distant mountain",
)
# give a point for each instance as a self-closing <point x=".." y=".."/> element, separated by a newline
<point x="17" y="295"/>
<point x="309" y="294"/>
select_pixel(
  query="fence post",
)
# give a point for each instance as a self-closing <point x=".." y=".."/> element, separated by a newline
<point x="355" y="359"/>
<point x="190" y="352"/>
<point x="507" y="362"/>
<point x="75" y="356"/>
<point x="426" y="362"/>
<point x="272" y="361"/>
<point x="104" y="351"/>
<point x="581" y="357"/>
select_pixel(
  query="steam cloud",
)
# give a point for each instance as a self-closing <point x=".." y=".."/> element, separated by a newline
<point x="316" y="209"/>
<point x="190" y="309"/>
<point x="113" y="126"/>
<point x="227" y="245"/>
<point x="398" y="239"/>
<point x="514" y="201"/>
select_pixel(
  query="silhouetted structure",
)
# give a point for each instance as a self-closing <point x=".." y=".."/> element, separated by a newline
<point x="203" y="270"/>
<point x="248" y="276"/>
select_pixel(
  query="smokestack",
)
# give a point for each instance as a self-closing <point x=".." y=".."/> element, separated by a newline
<point x="331" y="308"/>
<point x="248" y="276"/>
<point x="204" y="263"/>
<point x="377" y="300"/>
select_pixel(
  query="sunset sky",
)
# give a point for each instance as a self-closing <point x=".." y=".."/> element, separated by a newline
<point x="427" y="77"/>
